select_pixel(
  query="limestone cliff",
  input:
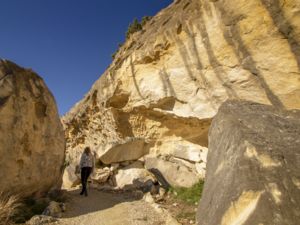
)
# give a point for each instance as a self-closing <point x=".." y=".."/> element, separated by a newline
<point x="32" y="144"/>
<point x="167" y="81"/>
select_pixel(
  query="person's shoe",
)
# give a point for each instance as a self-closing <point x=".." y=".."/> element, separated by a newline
<point x="81" y="193"/>
<point x="85" y="194"/>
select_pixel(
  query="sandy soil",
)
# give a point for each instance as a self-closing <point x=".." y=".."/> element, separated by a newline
<point x="103" y="208"/>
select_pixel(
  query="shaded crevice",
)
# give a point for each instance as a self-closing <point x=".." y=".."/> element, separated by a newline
<point x="133" y="74"/>
<point x="183" y="52"/>
<point x="3" y="100"/>
<point x="167" y="85"/>
<point x="216" y="65"/>
<point x="192" y="129"/>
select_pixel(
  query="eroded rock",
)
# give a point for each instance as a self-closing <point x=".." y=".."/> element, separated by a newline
<point x="175" y="174"/>
<point x="253" y="166"/>
<point x="32" y="143"/>
<point x="167" y="82"/>
<point x="133" y="176"/>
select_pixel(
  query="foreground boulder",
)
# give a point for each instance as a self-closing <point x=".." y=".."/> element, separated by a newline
<point x="31" y="136"/>
<point x="252" y="167"/>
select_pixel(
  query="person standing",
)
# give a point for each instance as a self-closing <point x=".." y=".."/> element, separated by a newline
<point x="87" y="166"/>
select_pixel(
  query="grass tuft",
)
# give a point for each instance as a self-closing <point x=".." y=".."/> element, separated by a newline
<point x="9" y="206"/>
<point x="190" y="195"/>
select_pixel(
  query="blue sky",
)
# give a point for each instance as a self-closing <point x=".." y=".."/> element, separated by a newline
<point x="68" y="42"/>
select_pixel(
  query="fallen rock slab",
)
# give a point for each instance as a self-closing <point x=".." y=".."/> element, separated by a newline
<point x="125" y="151"/>
<point x="253" y="167"/>
<point x="134" y="175"/>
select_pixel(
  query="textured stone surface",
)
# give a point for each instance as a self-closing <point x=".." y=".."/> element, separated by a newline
<point x="70" y="178"/>
<point x="167" y="82"/>
<point x="134" y="175"/>
<point x="176" y="175"/>
<point x="32" y="144"/>
<point x="253" y="167"/>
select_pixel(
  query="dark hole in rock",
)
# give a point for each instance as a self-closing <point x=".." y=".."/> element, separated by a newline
<point x="3" y="100"/>
<point x="40" y="109"/>
<point x="186" y="5"/>
<point x="179" y="29"/>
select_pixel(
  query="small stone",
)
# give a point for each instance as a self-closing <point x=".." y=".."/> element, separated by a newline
<point x="41" y="219"/>
<point x="148" y="198"/>
<point x="54" y="209"/>
<point x="162" y="192"/>
<point x="114" y="166"/>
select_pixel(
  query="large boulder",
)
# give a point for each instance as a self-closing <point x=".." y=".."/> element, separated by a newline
<point x="130" y="149"/>
<point x="32" y="144"/>
<point x="177" y="175"/>
<point x="133" y="176"/>
<point x="253" y="167"/>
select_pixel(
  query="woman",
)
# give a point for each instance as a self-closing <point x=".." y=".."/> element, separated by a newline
<point x="86" y="165"/>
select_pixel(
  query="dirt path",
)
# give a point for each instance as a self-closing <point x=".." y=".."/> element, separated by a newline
<point x="102" y="208"/>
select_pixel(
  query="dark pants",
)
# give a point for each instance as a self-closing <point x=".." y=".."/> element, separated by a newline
<point x="85" y="173"/>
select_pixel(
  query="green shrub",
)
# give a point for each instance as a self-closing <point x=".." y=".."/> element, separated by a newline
<point x="133" y="27"/>
<point x="145" y="19"/>
<point x="190" y="195"/>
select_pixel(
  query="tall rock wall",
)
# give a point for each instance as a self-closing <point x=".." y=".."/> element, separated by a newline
<point x="167" y="81"/>
<point x="32" y="143"/>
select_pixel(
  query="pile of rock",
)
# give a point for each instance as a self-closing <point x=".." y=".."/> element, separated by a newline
<point x="178" y="168"/>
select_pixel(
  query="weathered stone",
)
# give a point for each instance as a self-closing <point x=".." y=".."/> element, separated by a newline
<point x="70" y="179"/>
<point x="101" y="175"/>
<point x="253" y="167"/>
<point x="134" y="175"/>
<point x="175" y="174"/>
<point x="114" y="166"/>
<point x="129" y="150"/>
<point x="201" y="169"/>
<point x="32" y="144"/>
<point x="54" y="209"/>
<point x="41" y="220"/>
<point x="167" y="82"/>
<point x="148" y="198"/>
<point x="185" y="150"/>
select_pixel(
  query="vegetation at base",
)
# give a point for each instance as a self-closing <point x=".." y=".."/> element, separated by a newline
<point x="30" y="207"/>
<point x="189" y="195"/>
<point x="9" y="206"/>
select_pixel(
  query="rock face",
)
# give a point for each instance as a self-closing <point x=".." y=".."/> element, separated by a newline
<point x="167" y="81"/>
<point x="32" y="144"/>
<point x="176" y="175"/>
<point x="253" y="167"/>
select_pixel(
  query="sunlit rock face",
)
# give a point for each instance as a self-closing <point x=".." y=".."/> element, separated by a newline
<point x="253" y="166"/>
<point x="167" y="81"/>
<point x="32" y="143"/>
